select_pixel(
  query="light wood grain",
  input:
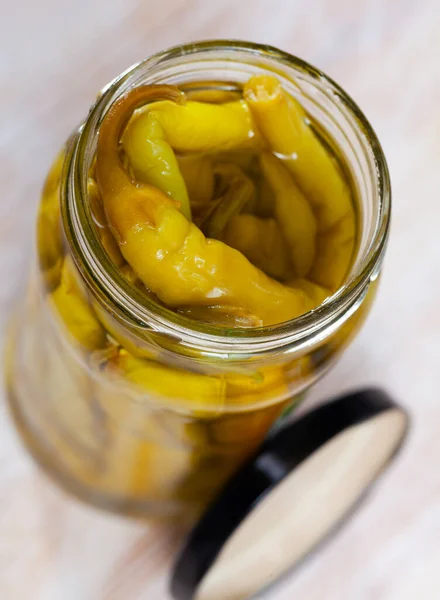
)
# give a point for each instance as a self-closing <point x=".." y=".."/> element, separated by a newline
<point x="55" y="56"/>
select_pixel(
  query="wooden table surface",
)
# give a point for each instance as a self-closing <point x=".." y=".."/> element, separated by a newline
<point x="55" y="56"/>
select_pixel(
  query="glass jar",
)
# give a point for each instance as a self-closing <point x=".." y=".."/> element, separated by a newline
<point x="143" y="411"/>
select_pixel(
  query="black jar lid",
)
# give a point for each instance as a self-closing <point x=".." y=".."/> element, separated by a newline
<point x="302" y="483"/>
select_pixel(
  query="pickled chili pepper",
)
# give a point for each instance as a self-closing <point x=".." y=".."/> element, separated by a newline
<point x="201" y="127"/>
<point x="139" y="458"/>
<point x="173" y="384"/>
<point x="238" y="191"/>
<point x="318" y="292"/>
<point x="120" y="338"/>
<point x="246" y="160"/>
<point x="49" y="237"/>
<point x="198" y="175"/>
<point x="129" y="274"/>
<point x="99" y="218"/>
<point x="265" y="201"/>
<point x="283" y="124"/>
<point x="334" y="253"/>
<point x="169" y="253"/>
<point x="153" y="160"/>
<point x="293" y="214"/>
<point x="72" y="306"/>
<point x="242" y="387"/>
<point x="262" y="242"/>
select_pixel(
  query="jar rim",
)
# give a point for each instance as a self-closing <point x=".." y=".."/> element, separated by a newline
<point x="96" y="267"/>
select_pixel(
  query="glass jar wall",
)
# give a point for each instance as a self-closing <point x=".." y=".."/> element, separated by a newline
<point x="136" y="408"/>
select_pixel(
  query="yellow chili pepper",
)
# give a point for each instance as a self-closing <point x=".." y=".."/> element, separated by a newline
<point x="71" y="304"/>
<point x="140" y="458"/>
<point x="49" y="236"/>
<point x="105" y="235"/>
<point x="284" y="125"/>
<point x="202" y="127"/>
<point x="129" y="274"/>
<point x="265" y="202"/>
<point x="293" y="213"/>
<point x="69" y="399"/>
<point x="244" y="430"/>
<point x="169" y="253"/>
<point x="132" y="277"/>
<point x="120" y="337"/>
<point x="246" y="160"/>
<point x="315" y="291"/>
<point x="334" y="254"/>
<point x="173" y="384"/>
<point x="152" y="159"/>
<point x="199" y="178"/>
<point x="237" y="191"/>
<point x="262" y="242"/>
<point x="262" y="381"/>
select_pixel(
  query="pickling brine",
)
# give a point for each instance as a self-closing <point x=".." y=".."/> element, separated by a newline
<point x="194" y="242"/>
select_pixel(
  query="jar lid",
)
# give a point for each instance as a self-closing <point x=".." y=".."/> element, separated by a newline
<point x="302" y="482"/>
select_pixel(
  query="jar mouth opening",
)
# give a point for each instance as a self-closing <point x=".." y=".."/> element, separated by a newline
<point x="129" y="302"/>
